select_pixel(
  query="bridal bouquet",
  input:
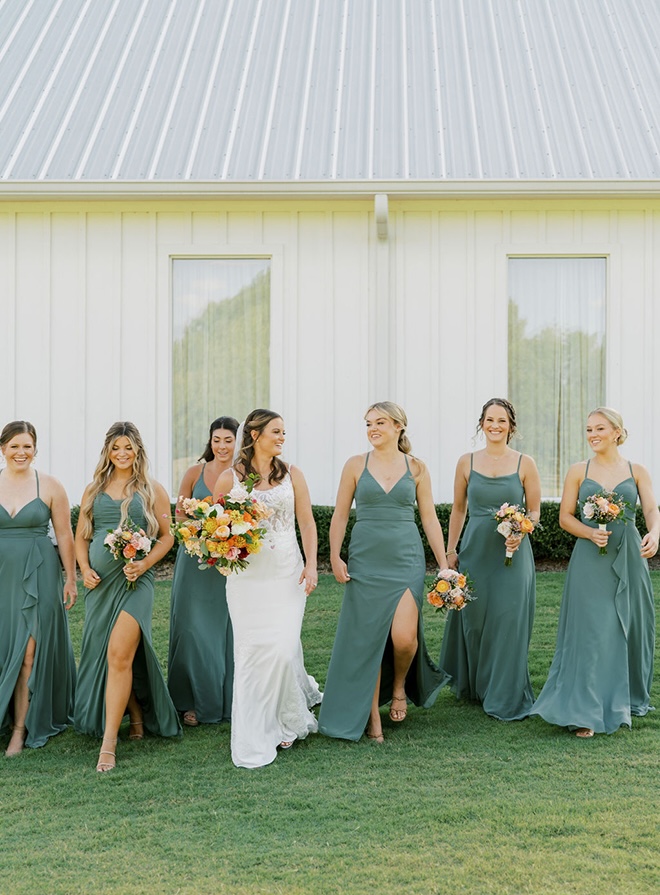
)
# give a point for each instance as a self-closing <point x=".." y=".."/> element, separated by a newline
<point x="223" y="534"/>
<point x="513" y="520"/>
<point x="451" y="590"/>
<point x="128" y="543"/>
<point x="603" y="507"/>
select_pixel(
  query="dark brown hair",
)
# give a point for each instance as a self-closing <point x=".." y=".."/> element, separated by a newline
<point x="256" y="421"/>
<point x="18" y="427"/>
<point x="510" y="412"/>
<point x="222" y="422"/>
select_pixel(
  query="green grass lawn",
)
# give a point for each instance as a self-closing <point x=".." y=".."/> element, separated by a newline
<point x="454" y="802"/>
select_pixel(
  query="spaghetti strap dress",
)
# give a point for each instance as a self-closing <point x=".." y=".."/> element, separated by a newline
<point x="31" y="603"/>
<point x="385" y="559"/>
<point x="273" y="694"/>
<point x="200" y="674"/>
<point x="602" y="669"/>
<point x="102" y="607"/>
<point x="485" y="646"/>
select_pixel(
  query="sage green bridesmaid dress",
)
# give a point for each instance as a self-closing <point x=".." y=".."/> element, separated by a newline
<point x="102" y="607"/>
<point x="485" y="645"/>
<point x="200" y="673"/>
<point x="602" y="670"/>
<point x="385" y="558"/>
<point x="31" y="603"/>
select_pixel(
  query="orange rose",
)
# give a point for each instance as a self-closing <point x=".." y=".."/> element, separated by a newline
<point x="127" y="535"/>
<point x="129" y="551"/>
<point x="527" y="526"/>
<point x="459" y="601"/>
<point x="436" y="600"/>
<point x="461" y="581"/>
<point x="442" y="586"/>
<point x="614" y="509"/>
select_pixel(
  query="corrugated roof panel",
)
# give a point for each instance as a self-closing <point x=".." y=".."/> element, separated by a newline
<point x="329" y="89"/>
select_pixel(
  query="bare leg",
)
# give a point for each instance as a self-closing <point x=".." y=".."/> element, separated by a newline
<point x="404" y="641"/>
<point x="136" y="726"/>
<point x="21" y="701"/>
<point x="375" y="726"/>
<point x="122" y="646"/>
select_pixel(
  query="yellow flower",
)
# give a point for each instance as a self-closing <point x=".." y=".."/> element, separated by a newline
<point x="442" y="586"/>
<point x="126" y="535"/>
<point x="210" y="525"/>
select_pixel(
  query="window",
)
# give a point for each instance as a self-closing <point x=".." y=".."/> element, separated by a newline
<point x="557" y="313"/>
<point x="221" y="347"/>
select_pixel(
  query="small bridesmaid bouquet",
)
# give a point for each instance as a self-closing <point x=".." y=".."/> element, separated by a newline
<point x="513" y="520"/>
<point x="128" y="543"/>
<point x="224" y="534"/>
<point x="603" y="507"/>
<point x="451" y="590"/>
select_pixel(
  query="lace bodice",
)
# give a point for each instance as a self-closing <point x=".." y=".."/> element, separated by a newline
<point x="280" y="500"/>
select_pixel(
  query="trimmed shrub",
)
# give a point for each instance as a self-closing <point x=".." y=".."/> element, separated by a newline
<point x="550" y="543"/>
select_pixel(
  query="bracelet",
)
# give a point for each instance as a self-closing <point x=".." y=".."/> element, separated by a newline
<point x="452" y="552"/>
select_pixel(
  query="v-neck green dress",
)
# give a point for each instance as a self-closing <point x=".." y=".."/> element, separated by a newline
<point x="200" y="673"/>
<point x="385" y="558"/>
<point x="31" y="604"/>
<point x="102" y="607"/>
<point x="602" y="670"/>
<point x="486" y="644"/>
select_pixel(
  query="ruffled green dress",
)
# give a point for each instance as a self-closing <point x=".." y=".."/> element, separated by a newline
<point x="31" y="605"/>
<point x="200" y="673"/>
<point x="486" y="644"/>
<point x="602" y="669"/>
<point x="385" y="558"/>
<point x="102" y="607"/>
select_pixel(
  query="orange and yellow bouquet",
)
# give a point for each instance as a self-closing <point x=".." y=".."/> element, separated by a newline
<point x="224" y="534"/>
<point x="513" y="520"/>
<point x="602" y="507"/>
<point x="451" y="590"/>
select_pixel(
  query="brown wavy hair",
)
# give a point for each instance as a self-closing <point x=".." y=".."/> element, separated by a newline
<point x="510" y="412"/>
<point x="256" y="421"/>
<point x="139" y="483"/>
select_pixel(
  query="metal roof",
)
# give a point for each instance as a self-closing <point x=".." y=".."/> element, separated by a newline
<point x="329" y="90"/>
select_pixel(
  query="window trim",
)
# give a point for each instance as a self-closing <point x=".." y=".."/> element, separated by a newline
<point x="278" y="349"/>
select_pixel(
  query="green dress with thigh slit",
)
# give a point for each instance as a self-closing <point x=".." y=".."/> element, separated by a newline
<point x="102" y="607"/>
<point x="31" y="604"/>
<point x="602" y="669"/>
<point x="385" y="559"/>
<point x="200" y="673"/>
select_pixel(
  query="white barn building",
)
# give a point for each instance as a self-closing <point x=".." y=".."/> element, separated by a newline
<point x="210" y="205"/>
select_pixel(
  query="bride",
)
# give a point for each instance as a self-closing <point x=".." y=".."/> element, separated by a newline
<point x="273" y="693"/>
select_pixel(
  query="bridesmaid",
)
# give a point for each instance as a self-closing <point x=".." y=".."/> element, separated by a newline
<point x="200" y="663"/>
<point x="602" y="669"/>
<point x="37" y="670"/>
<point x="485" y="645"/>
<point x="118" y="670"/>
<point x="379" y="653"/>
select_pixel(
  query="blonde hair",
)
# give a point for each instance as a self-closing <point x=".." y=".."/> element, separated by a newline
<point x="139" y="483"/>
<point x="615" y="420"/>
<point x="398" y="415"/>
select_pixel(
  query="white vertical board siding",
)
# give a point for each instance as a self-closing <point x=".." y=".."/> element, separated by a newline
<point x="67" y="336"/>
<point x="420" y="318"/>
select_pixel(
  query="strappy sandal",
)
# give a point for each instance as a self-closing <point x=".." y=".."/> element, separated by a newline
<point x="190" y="718"/>
<point x="104" y="766"/>
<point x="12" y="753"/>
<point x="139" y="734"/>
<point x="584" y="733"/>
<point x="286" y="744"/>
<point x="398" y="715"/>
<point x="376" y="737"/>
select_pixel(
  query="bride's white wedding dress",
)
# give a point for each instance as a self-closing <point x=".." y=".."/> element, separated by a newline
<point x="273" y="693"/>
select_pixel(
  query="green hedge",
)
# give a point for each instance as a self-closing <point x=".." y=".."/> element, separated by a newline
<point x="550" y="543"/>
